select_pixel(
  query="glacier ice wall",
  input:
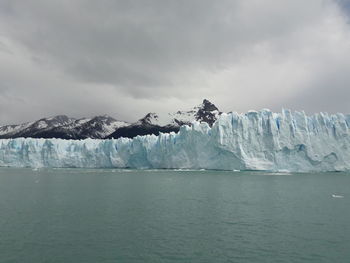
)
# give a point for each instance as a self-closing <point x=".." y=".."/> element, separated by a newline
<point x="257" y="140"/>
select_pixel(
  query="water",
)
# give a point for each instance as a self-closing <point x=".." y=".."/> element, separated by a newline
<point x="75" y="215"/>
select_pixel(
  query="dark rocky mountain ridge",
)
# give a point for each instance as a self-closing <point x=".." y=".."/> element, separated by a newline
<point x="100" y="127"/>
<point x="151" y="123"/>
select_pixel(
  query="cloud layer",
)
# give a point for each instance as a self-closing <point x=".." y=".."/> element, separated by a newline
<point x="125" y="58"/>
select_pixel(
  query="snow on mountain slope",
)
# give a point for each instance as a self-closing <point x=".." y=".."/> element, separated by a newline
<point x="64" y="127"/>
<point x="10" y="131"/>
<point x="257" y="140"/>
<point x="100" y="127"/>
<point x="204" y="112"/>
<point x="13" y="129"/>
<point x="105" y="126"/>
<point x="154" y="123"/>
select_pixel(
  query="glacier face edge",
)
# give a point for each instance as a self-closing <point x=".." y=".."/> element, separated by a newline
<point x="257" y="140"/>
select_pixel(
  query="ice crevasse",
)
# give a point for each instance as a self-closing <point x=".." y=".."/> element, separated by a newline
<point x="257" y="140"/>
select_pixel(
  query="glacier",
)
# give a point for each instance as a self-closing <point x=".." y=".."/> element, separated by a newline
<point x="257" y="140"/>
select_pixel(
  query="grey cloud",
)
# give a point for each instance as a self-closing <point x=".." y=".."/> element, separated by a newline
<point x="161" y="55"/>
<point x="329" y="92"/>
<point x="108" y="40"/>
<point x="345" y="5"/>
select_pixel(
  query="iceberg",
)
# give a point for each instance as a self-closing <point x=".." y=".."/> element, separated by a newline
<point x="257" y="140"/>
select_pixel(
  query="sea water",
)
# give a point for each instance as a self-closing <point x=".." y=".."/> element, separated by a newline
<point x="80" y="215"/>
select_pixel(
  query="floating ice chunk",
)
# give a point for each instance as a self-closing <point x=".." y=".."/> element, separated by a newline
<point x="337" y="196"/>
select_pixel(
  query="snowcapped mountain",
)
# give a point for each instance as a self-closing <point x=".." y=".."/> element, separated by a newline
<point x="204" y="112"/>
<point x="99" y="127"/>
<point x="154" y="123"/>
<point x="64" y="127"/>
<point x="104" y="126"/>
<point x="21" y="130"/>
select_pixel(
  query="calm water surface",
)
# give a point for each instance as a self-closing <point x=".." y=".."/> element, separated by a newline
<point x="75" y="215"/>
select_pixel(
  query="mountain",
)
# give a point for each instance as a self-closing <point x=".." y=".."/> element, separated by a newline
<point x="64" y="127"/>
<point x="204" y="112"/>
<point x="32" y="128"/>
<point x="154" y="123"/>
<point x="100" y="127"/>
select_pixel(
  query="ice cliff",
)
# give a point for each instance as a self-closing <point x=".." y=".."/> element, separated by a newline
<point x="257" y="140"/>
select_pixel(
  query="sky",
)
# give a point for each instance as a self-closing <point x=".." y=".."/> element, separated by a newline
<point x="127" y="58"/>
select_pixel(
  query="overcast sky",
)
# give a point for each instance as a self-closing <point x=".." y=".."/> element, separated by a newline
<point x="127" y="58"/>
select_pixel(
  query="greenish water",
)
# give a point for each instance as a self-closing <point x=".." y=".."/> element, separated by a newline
<point x="75" y="215"/>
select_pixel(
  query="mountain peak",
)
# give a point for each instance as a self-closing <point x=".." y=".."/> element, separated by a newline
<point x="208" y="106"/>
<point x="57" y="118"/>
<point x="104" y="117"/>
<point x="52" y="121"/>
<point x="150" y="118"/>
<point x="207" y="112"/>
